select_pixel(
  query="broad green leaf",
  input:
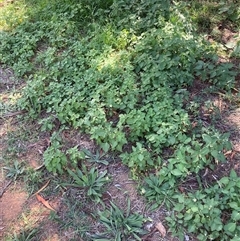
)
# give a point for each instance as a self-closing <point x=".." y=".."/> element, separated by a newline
<point x="230" y="227"/>
<point x="233" y="174"/>
<point x="188" y="216"/>
<point x="194" y="209"/>
<point x="235" y="238"/>
<point x="176" y="172"/>
<point x="179" y="207"/>
<point x="191" y="228"/>
<point x="234" y="205"/>
<point x="235" y="215"/>
<point x="216" y="225"/>
<point x="140" y="157"/>
<point x="105" y="146"/>
<point x="180" y="216"/>
<point x="224" y="180"/>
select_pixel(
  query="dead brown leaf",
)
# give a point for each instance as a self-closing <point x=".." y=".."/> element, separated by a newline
<point x="44" y="202"/>
<point x="161" y="229"/>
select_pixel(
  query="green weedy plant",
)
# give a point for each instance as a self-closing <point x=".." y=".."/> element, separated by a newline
<point x="158" y="191"/>
<point x="138" y="160"/>
<point x="47" y="123"/>
<point x="192" y="155"/>
<point x="90" y="180"/>
<point x="77" y="217"/>
<point x="74" y="71"/>
<point x="231" y="9"/>
<point x="15" y="171"/>
<point x="55" y="159"/>
<point x="120" y="226"/>
<point x="33" y="179"/>
<point x="221" y="75"/>
<point x="118" y="70"/>
<point x="95" y="158"/>
<point x="139" y="14"/>
<point x="75" y="155"/>
<point x="27" y="235"/>
<point x="212" y="213"/>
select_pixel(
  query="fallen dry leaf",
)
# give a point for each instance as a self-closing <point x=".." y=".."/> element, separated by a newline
<point x="232" y="155"/>
<point x="181" y="189"/>
<point x="44" y="202"/>
<point x="161" y="229"/>
<point x="194" y="124"/>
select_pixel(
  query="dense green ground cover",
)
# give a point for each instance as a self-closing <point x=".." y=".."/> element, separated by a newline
<point x="120" y="71"/>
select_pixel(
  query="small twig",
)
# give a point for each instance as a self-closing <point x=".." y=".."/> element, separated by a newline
<point x="11" y="114"/>
<point x="42" y="188"/>
<point x="39" y="167"/>
<point x="205" y="173"/>
<point x="220" y="105"/>
<point x="236" y="89"/>
<point x="148" y="235"/>
<point x="5" y="188"/>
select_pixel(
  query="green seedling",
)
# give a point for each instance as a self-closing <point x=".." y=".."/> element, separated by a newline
<point x="90" y="181"/>
<point x="15" y="171"/>
<point x="119" y="225"/>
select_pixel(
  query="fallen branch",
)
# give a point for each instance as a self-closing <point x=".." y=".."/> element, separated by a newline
<point x="42" y="188"/>
<point x="4" y="189"/>
<point x="11" y="114"/>
<point x="148" y="235"/>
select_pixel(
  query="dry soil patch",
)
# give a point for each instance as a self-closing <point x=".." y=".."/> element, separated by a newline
<point x="11" y="204"/>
